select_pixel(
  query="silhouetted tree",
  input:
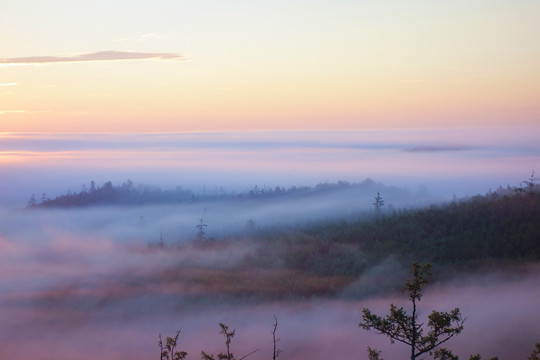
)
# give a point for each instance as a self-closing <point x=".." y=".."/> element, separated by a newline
<point x="472" y="357"/>
<point x="530" y="183"/>
<point x="445" y="354"/>
<point x="399" y="326"/>
<point x="373" y="354"/>
<point x="276" y="351"/>
<point x="167" y="350"/>
<point x="201" y="234"/>
<point x="228" y="338"/>
<point x="379" y="202"/>
<point x="535" y="355"/>
<point x="255" y="191"/>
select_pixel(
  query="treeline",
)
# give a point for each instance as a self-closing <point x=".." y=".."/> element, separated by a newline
<point x="328" y="258"/>
<point x="469" y="232"/>
<point x="129" y="194"/>
<point x="108" y="194"/>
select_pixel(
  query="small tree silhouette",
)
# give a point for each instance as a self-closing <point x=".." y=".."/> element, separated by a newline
<point x="379" y="202"/>
<point x="535" y="355"/>
<point x="276" y="351"/>
<point x="399" y="326"/>
<point x="373" y="354"/>
<point x="228" y="338"/>
<point x="531" y="182"/>
<point x="167" y="350"/>
<point x="201" y="234"/>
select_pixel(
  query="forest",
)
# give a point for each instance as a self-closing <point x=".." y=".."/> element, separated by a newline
<point x="325" y="257"/>
<point x="354" y="256"/>
<point x="497" y="228"/>
<point x="129" y="194"/>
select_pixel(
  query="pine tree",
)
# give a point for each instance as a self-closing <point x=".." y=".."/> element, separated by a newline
<point x="407" y="329"/>
<point x="379" y="202"/>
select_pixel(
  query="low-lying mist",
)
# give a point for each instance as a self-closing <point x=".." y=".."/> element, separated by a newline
<point x="225" y="215"/>
<point x="111" y="302"/>
<point x="461" y="161"/>
<point x="103" y="282"/>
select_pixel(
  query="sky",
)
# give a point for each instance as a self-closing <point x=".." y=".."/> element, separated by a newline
<point x="211" y="93"/>
<point x="443" y="161"/>
<point x="437" y="96"/>
<point x="177" y="66"/>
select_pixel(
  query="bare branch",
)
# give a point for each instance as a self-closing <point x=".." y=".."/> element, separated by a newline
<point x="251" y="353"/>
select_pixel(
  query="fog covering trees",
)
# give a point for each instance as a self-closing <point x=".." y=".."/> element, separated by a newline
<point x="88" y="263"/>
<point x="325" y="256"/>
<point x="129" y="194"/>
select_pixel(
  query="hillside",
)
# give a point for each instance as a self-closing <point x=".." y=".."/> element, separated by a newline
<point x="330" y="258"/>
<point x="129" y="194"/>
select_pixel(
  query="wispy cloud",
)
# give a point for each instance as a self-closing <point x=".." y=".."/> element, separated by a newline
<point x="8" y="84"/>
<point x="12" y="111"/>
<point x="21" y="111"/>
<point x="439" y="148"/>
<point x="94" y="56"/>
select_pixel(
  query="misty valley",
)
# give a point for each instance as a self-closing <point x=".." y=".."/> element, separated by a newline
<point x="269" y="180"/>
<point x="101" y="273"/>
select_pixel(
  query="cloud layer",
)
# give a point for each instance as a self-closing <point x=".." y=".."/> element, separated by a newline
<point x="93" y="56"/>
<point x="84" y="285"/>
<point x="238" y="160"/>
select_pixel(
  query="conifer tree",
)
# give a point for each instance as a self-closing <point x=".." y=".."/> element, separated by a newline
<point x="379" y="202"/>
<point x="408" y="329"/>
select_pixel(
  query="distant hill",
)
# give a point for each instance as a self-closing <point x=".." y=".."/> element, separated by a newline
<point x="128" y="194"/>
<point x="372" y="255"/>
<point x="491" y="228"/>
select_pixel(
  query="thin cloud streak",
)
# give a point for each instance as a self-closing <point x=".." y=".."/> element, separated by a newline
<point x="439" y="148"/>
<point x="448" y="161"/>
<point x="521" y="140"/>
<point x="94" y="56"/>
<point x="8" y="84"/>
<point x="13" y="112"/>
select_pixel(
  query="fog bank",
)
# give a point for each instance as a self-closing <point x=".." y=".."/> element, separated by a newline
<point x="461" y="161"/>
<point x="88" y="284"/>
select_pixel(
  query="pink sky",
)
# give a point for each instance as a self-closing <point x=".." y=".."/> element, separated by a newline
<point x="236" y="66"/>
<point x="461" y="161"/>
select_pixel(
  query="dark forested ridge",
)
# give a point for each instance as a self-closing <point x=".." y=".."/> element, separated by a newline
<point x="491" y="227"/>
<point x="129" y="194"/>
<point x="326" y="257"/>
<point x="109" y="194"/>
<point x="343" y="259"/>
